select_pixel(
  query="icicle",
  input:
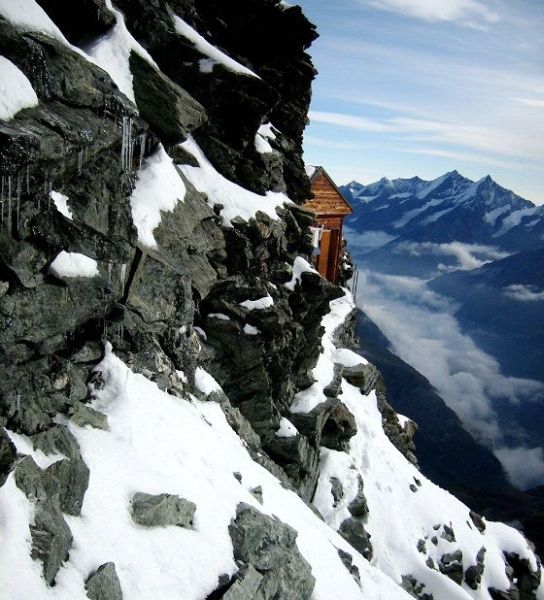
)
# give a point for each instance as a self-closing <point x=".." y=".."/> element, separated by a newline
<point x="18" y="402"/>
<point x="127" y="149"/>
<point x="18" y="209"/>
<point x="79" y="161"/>
<point x="142" y="150"/>
<point x="9" y="202"/>
<point x="28" y="179"/>
<point x="110" y="265"/>
<point x="122" y="276"/>
<point x="2" y="198"/>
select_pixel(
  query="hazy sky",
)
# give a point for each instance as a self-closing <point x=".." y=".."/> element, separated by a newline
<point x="421" y="87"/>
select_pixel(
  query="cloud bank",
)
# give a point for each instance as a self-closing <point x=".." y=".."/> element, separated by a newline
<point x="423" y="331"/>
<point x="465" y="12"/>
<point x="524" y="466"/>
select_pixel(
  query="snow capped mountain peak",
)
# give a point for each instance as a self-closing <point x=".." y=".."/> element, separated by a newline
<point x="478" y="212"/>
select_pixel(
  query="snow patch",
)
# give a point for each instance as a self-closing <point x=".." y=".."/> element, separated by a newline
<point x="250" y="330"/>
<point x="159" y="187"/>
<point x="28" y="15"/>
<point x="286" y="429"/>
<point x="260" y="304"/>
<point x="205" y="382"/>
<point x="61" y="204"/>
<point x="73" y="264"/>
<point x="111" y="52"/>
<point x="215" y="56"/>
<point x="299" y="266"/>
<point x="265" y="133"/>
<point x="16" y="91"/>
<point x="237" y="202"/>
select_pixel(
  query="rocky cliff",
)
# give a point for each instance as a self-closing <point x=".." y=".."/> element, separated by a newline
<point x="175" y="386"/>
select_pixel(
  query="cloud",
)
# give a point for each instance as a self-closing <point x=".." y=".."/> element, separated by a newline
<point x="465" y="12"/>
<point x="405" y="129"/>
<point x="479" y="159"/>
<point x="361" y="243"/>
<point x="423" y="331"/>
<point x="524" y="466"/>
<point x="349" y="121"/>
<point x="524" y="293"/>
<point x="532" y="102"/>
<point x="468" y="256"/>
<point x="310" y="140"/>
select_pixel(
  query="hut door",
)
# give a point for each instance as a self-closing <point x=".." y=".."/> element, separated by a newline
<point x="334" y="255"/>
<point x="324" y="252"/>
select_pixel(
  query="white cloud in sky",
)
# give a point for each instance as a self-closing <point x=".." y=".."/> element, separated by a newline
<point x="464" y="12"/>
<point x="507" y="143"/>
<point x="532" y="102"/>
<point x="524" y="466"/>
<point x="423" y="331"/>
<point x="524" y="293"/>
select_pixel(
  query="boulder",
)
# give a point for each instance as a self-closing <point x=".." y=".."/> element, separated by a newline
<point x="104" y="583"/>
<point x="269" y="546"/>
<point x="51" y="538"/>
<point x="354" y="532"/>
<point x="162" y="510"/>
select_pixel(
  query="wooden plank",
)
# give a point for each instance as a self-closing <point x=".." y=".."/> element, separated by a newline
<point x="324" y="255"/>
<point x="327" y="199"/>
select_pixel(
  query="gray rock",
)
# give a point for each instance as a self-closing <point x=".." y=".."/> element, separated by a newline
<point x="169" y="109"/>
<point x="7" y="456"/>
<point x="358" y="507"/>
<point x="51" y="538"/>
<point x="104" y="584"/>
<point x="69" y="479"/>
<point x="354" y="532"/>
<point x="339" y="428"/>
<point x="270" y="547"/>
<point x="57" y="439"/>
<point x="257" y="493"/>
<point x="337" y="490"/>
<point x="478" y="521"/>
<point x="162" y="510"/>
<point x="347" y="561"/>
<point x="246" y="585"/>
<point x="451" y="565"/>
<point x="29" y="478"/>
<point x="83" y="415"/>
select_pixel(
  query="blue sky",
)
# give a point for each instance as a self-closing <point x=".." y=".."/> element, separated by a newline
<point x="422" y="87"/>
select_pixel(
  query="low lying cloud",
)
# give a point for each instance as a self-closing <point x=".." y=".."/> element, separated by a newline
<point x="524" y="293"/>
<point x="422" y="329"/>
<point x="465" y="12"/>
<point x="366" y="241"/>
<point x="524" y="466"/>
<point x="468" y="256"/>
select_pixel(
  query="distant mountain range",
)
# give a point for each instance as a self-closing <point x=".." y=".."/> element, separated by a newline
<point x="463" y="263"/>
<point x="452" y="208"/>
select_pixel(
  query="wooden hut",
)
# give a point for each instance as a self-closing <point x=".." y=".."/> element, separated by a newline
<point x="329" y="208"/>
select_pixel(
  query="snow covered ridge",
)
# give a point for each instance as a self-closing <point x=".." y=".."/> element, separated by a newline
<point x="155" y="445"/>
<point x="420" y="535"/>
